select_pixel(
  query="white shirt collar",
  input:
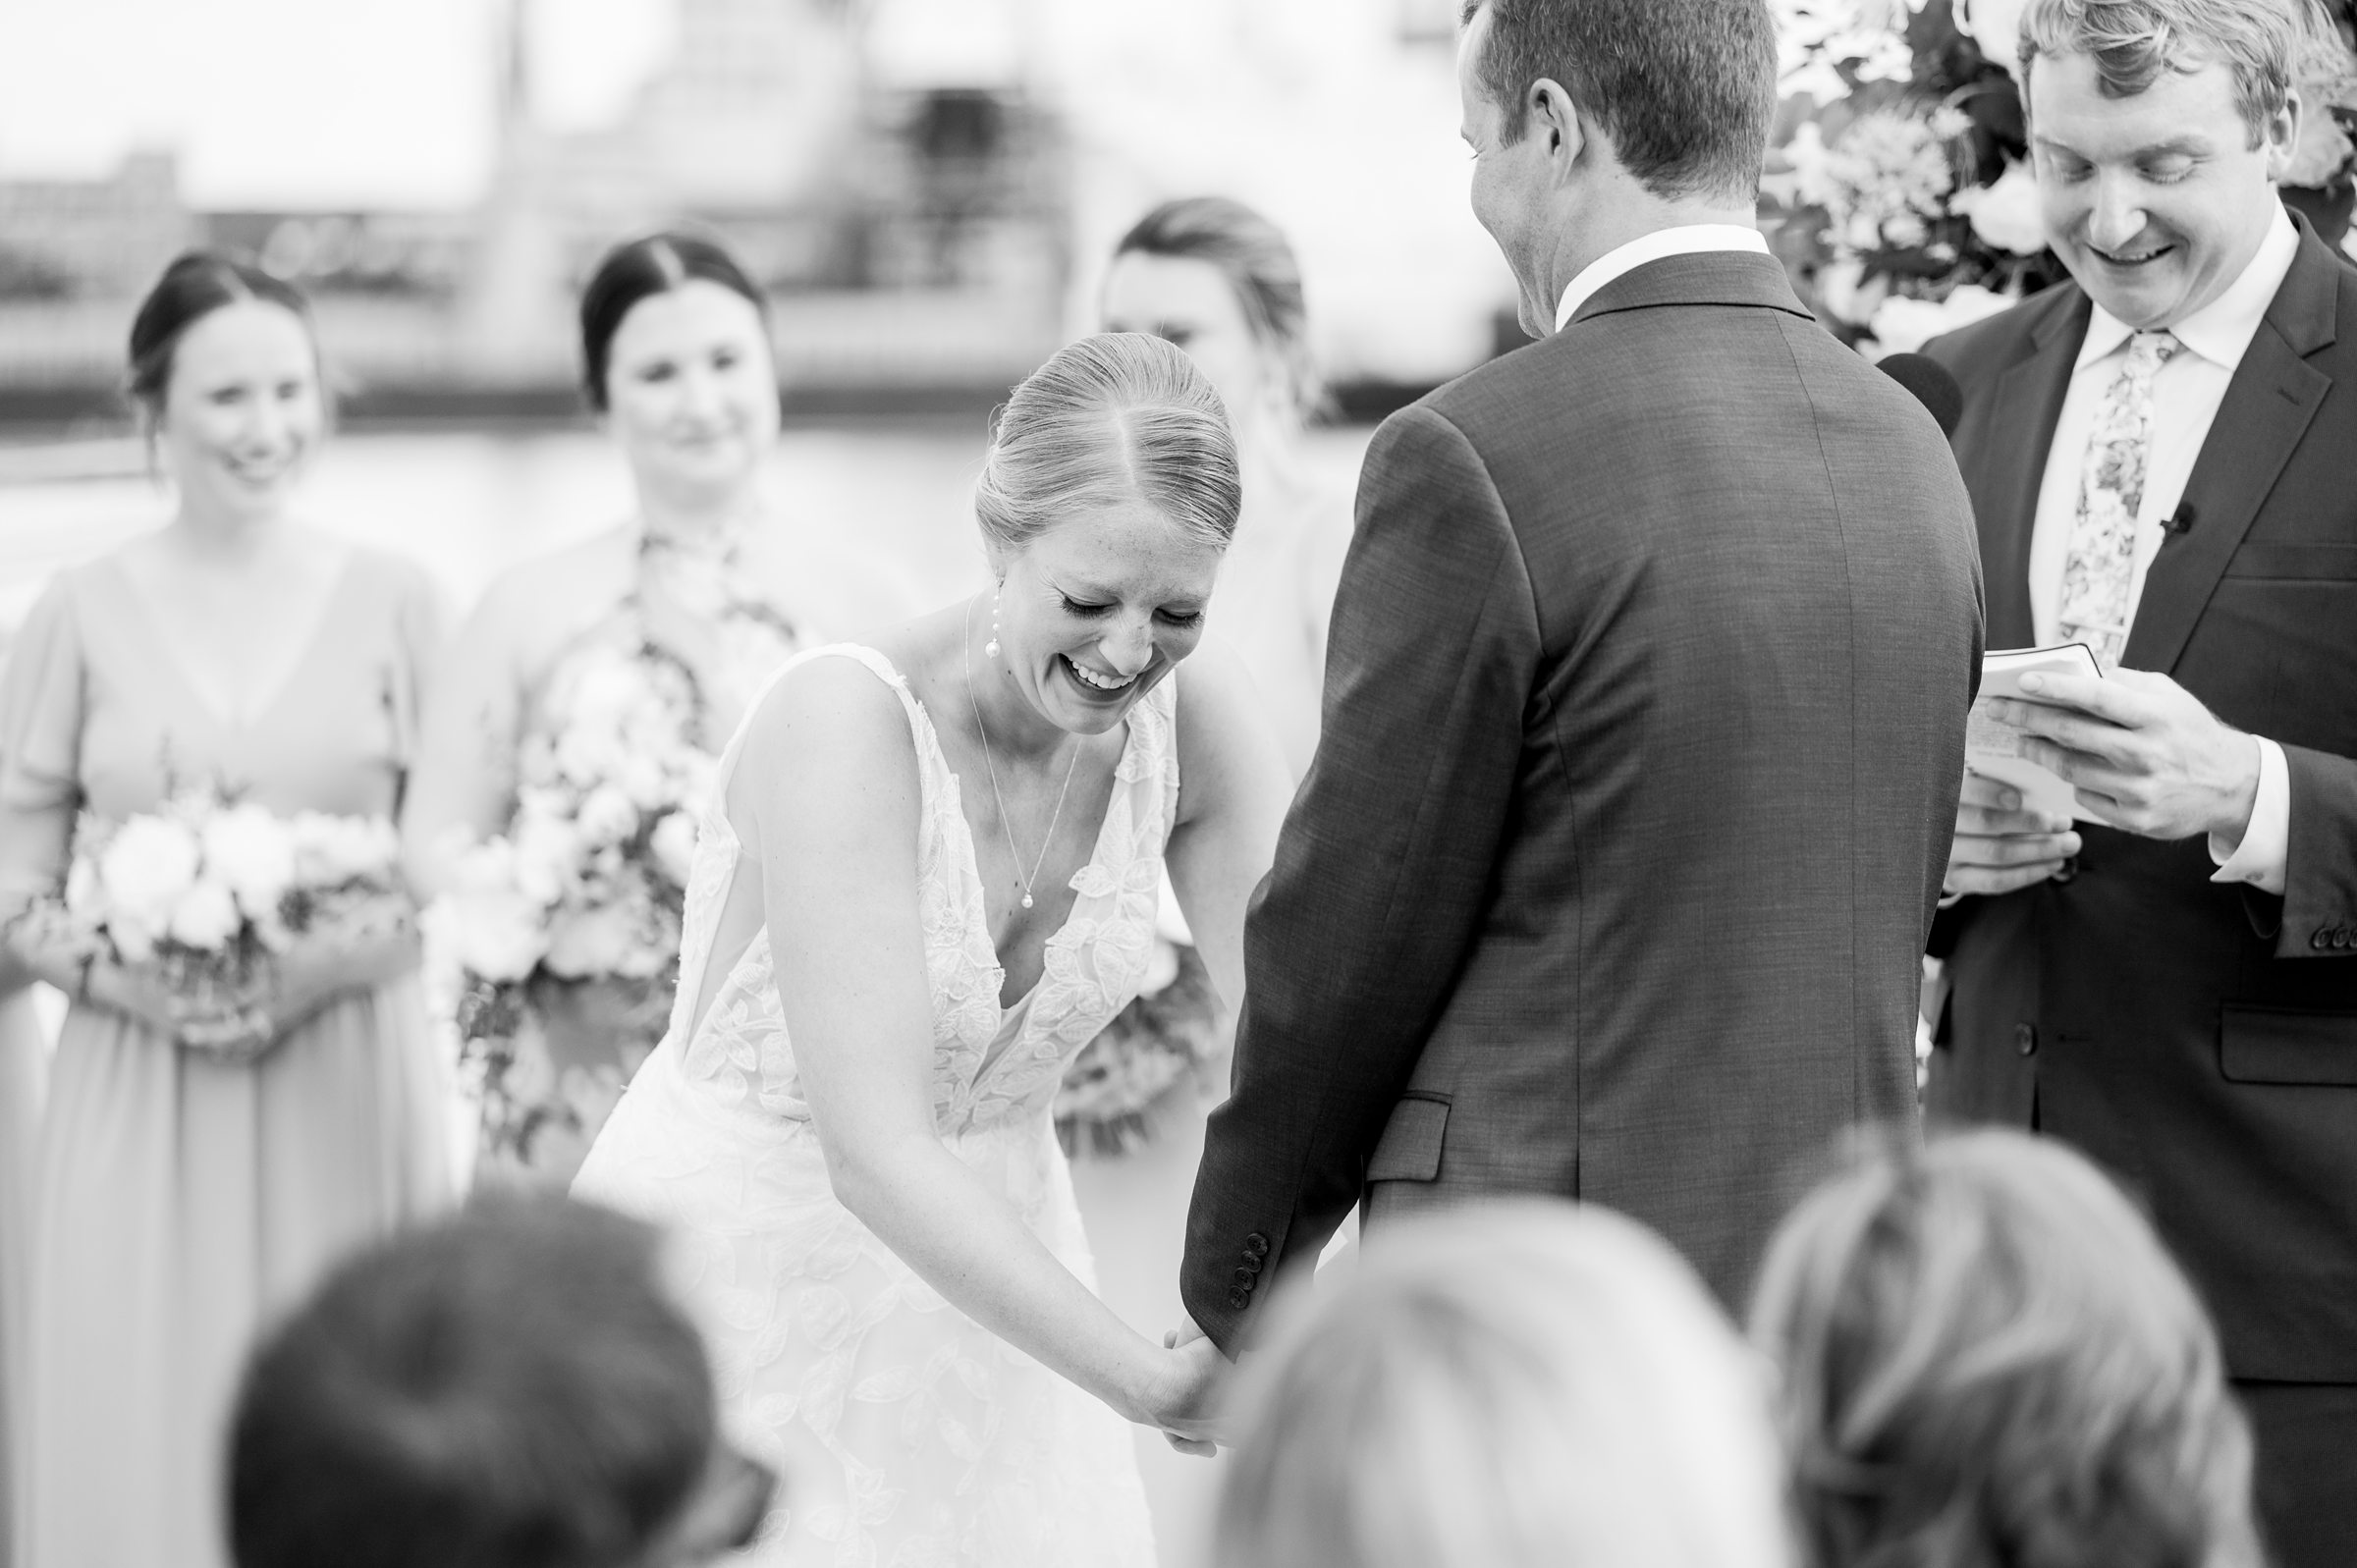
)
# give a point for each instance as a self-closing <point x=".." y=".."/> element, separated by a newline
<point x="1683" y="239"/>
<point x="2222" y="330"/>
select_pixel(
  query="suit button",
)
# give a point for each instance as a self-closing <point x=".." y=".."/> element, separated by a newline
<point x="1257" y="1245"/>
<point x="1246" y="1277"/>
<point x="2340" y="939"/>
<point x="1239" y="1298"/>
<point x="2025" y="1039"/>
<point x="1253" y="1265"/>
<point x="2068" y="871"/>
<point x="2320" y="940"/>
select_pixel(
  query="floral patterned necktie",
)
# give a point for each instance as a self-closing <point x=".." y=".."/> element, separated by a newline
<point x="2100" y="569"/>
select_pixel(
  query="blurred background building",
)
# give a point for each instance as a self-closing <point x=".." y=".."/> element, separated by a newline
<point x="925" y="186"/>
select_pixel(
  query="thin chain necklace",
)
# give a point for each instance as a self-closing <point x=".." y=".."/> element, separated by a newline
<point x="1007" y="823"/>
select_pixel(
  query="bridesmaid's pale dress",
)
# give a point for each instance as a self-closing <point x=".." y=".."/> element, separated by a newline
<point x="177" y="1201"/>
<point x="910" y="1437"/>
<point x="23" y="1060"/>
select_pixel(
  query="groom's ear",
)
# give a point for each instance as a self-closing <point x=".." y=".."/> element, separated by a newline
<point x="1550" y="115"/>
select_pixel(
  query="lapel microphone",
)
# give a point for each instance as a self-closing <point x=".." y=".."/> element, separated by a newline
<point x="2179" y="521"/>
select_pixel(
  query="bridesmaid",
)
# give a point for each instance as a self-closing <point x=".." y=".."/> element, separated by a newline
<point x="181" y="1196"/>
<point x="1219" y="280"/>
<point x="677" y="363"/>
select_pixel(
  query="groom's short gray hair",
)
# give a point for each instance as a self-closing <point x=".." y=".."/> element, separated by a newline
<point x="1685" y="88"/>
<point x="2262" y="42"/>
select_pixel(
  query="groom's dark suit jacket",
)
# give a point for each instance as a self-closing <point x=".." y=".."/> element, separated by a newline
<point x="1643" y="733"/>
<point x="2198" y="1039"/>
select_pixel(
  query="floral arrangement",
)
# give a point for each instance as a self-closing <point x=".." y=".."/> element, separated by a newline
<point x="1160" y="1044"/>
<point x="1900" y="194"/>
<point x="210" y="890"/>
<point x="590" y="882"/>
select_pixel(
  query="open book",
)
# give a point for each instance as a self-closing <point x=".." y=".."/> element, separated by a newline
<point x="1993" y="747"/>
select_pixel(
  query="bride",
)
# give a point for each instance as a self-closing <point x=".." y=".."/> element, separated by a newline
<point x="927" y="878"/>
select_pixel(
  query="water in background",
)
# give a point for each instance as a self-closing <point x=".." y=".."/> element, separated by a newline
<point x="467" y="506"/>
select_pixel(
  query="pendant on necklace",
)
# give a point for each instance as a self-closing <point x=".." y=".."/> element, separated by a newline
<point x="1026" y="900"/>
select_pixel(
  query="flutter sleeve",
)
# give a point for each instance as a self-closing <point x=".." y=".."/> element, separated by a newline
<point x="43" y="699"/>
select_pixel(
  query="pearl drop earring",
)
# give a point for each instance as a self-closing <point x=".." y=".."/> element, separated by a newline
<point x="989" y="649"/>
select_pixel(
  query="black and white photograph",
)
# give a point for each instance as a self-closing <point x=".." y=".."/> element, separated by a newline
<point x="1178" y="783"/>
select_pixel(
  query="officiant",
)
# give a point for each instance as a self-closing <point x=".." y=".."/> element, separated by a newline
<point x="2163" y="459"/>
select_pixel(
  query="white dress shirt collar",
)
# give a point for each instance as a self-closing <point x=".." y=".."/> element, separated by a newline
<point x="2222" y="330"/>
<point x="1683" y="239"/>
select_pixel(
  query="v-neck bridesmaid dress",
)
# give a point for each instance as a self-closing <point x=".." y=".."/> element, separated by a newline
<point x="178" y="1201"/>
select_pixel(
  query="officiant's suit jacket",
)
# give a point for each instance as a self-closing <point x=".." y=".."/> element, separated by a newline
<point x="1642" y="738"/>
<point x="2199" y="1039"/>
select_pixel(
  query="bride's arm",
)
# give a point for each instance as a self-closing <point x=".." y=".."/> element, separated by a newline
<point x="829" y="782"/>
<point x="1233" y="789"/>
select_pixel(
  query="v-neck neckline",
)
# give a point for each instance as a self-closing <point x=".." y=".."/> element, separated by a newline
<point x="281" y="689"/>
<point x="973" y="860"/>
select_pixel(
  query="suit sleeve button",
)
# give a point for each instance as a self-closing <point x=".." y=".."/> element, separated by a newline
<point x="1244" y="1278"/>
<point x="1257" y="1245"/>
<point x="1239" y="1298"/>
<point x="2025" y="1039"/>
<point x="2320" y="939"/>
<point x="1253" y="1265"/>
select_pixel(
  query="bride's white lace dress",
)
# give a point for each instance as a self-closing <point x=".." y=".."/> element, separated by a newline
<point x="906" y="1433"/>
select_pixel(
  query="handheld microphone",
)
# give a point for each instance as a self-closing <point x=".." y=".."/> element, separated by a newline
<point x="1933" y="387"/>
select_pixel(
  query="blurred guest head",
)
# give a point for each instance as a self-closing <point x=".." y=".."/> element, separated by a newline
<point x="1595" y="120"/>
<point x="1522" y="1383"/>
<point x="512" y="1389"/>
<point x="1105" y="502"/>
<point x="1219" y="280"/>
<point x="1989" y="1362"/>
<point x="674" y="353"/>
<point x="225" y="373"/>
<point x="2158" y="131"/>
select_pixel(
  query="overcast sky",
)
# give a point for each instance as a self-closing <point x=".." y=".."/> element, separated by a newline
<point x="302" y="102"/>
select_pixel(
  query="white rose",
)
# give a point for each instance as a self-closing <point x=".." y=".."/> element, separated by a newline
<point x="606" y="816"/>
<point x="2007" y="214"/>
<point x="672" y="845"/>
<point x="86" y="889"/>
<point x="251" y="853"/>
<point x="547" y="856"/>
<point x="145" y="869"/>
<point x="641" y="777"/>
<point x="332" y="850"/>
<point x="495" y="932"/>
<point x="1901" y="325"/>
<point x="206" y="916"/>
<point x="1996" y="26"/>
<point x="593" y="941"/>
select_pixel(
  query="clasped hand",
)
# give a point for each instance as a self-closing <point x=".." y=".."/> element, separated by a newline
<point x="2143" y="756"/>
<point x="1186" y="1407"/>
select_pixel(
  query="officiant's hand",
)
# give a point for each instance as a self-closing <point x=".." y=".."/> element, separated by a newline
<point x="2000" y="844"/>
<point x="2142" y="751"/>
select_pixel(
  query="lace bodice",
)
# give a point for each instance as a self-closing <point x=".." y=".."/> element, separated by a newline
<point x="990" y="1065"/>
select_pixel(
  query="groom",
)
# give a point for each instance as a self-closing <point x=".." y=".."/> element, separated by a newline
<point x="1644" y="712"/>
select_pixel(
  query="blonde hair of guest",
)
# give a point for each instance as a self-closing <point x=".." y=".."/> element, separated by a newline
<point x="1990" y="1361"/>
<point x="1511" y="1384"/>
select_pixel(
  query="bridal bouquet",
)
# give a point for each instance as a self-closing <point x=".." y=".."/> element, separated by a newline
<point x="586" y="888"/>
<point x="210" y="890"/>
<point x="1153" y="1049"/>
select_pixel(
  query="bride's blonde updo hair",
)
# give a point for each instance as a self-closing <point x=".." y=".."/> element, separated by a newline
<point x="1115" y="417"/>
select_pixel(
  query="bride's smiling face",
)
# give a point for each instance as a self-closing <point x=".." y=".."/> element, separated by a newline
<point x="1096" y="611"/>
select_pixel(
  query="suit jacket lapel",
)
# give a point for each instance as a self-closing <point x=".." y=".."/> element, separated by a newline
<point x="2268" y="407"/>
<point x="2008" y="465"/>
